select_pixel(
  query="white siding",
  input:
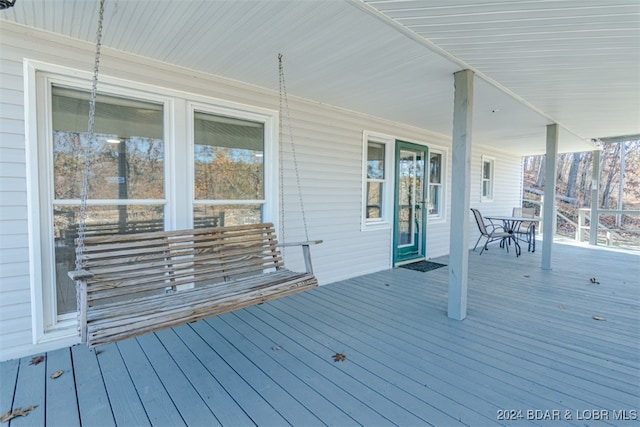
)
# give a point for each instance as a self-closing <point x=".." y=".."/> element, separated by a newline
<point x="329" y="151"/>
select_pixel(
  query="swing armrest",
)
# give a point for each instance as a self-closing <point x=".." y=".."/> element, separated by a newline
<point x="306" y="252"/>
<point x="80" y="275"/>
<point x="307" y="243"/>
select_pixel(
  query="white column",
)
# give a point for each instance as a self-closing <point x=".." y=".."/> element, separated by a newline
<point x="595" y="185"/>
<point x="549" y="195"/>
<point x="460" y="194"/>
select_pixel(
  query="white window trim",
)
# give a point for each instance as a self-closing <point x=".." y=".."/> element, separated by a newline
<point x="386" y="220"/>
<point x="492" y="161"/>
<point x="270" y="161"/>
<point x="46" y="325"/>
<point x="440" y="217"/>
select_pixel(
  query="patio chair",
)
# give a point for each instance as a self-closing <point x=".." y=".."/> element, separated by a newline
<point x="491" y="232"/>
<point x="525" y="231"/>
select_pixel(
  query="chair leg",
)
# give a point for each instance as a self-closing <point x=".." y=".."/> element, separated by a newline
<point x="477" y="241"/>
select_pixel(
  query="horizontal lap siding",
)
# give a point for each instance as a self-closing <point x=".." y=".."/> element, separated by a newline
<point x="507" y="186"/>
<point x="15" y="293"/>
<point x="328" y="146"/>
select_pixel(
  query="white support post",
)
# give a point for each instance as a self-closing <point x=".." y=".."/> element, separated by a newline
<point x="549" y="213"/>
<point x="460" y="204"/>
<point x="594" y="218"/>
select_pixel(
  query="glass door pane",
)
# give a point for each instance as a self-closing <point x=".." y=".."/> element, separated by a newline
<point x="410" y="217"/>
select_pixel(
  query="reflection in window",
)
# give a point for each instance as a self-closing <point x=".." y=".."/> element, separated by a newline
<point x="228" y="166"/>
<point x="126" y="162"/>
<point x="435" y="184"/>
<point x="375" y="180"/>
<point x="487" y="178"/>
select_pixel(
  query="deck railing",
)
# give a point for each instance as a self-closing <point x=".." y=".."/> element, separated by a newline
<point x="610" y="232"/>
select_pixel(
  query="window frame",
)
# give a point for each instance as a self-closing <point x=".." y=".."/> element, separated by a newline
<point x="47" y="326"/>
<point x="270" y="159"/>
<point x="440" y="214"/>
<point x="386" y="207"/>
<point x="491" y="180"/>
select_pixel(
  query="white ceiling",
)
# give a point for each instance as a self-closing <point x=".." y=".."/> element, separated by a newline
<point x="573" y="62"/>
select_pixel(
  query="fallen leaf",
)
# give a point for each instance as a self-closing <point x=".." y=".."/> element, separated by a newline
<point x="339" y="357"/>
<point x="561" y="307"/>
<point x="598" y="318"/>
<point x="56" y="374"/>
<point x="275" y="347"/>
<point x="36" y="360"/>
<point x="18" y="412"/>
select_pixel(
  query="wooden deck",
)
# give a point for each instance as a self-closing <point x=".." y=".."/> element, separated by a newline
<point x="530" y="343"/>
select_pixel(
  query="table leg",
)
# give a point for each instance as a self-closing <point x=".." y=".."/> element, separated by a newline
<point x="532" y="238"/>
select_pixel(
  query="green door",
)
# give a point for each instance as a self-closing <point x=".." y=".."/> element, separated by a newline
<point x="410" y="217"/>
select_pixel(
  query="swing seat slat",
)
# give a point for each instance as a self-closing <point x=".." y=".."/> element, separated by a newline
<point x="134" y="284"/>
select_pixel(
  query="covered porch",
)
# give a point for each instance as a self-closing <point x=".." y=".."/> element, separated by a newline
<point x="536" y="345"/>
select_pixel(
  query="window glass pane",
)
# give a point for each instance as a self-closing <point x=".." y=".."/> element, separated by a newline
<point x="375" y="160"/>
<point x="208" y="216"/>
<point x="486" y="188"/>
<point x="434" y="199"/>
<point x="126" y="156"/>
<point x="101" y="221"/>
<point x="374" y="200"/>
<point x="435" y="168"/>
<point x="229" y="155"/>
<point x="486" y="170"/>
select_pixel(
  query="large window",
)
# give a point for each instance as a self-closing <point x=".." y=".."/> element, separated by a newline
<point x="487" y="178"/>
<point x="378" y="193"/>
<point x="228" y="170"/>
<point x="125" y="181"/>
<point x="376" y="179"/>
<point x="436" y="191"/>
<point x="159" y="160"/>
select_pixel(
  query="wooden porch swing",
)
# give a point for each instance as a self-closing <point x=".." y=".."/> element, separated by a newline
<point x="132" y="284"/>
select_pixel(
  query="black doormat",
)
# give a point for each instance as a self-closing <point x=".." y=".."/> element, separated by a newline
<point x="423" y="266"/>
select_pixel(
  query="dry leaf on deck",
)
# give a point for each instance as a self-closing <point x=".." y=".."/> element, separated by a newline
<point x="36" y="360"/>
<point x="598" y="318"/>
<point x="56" y="374"/>
<point x="18" y="412"/>
<point x="339" y="357"/>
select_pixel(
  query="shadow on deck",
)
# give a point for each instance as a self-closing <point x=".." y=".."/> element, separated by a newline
<point x="529" y="351"/>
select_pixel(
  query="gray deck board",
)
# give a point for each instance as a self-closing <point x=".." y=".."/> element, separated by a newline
<point x="529" y="342"/>
<point x="349" y="377"/>
<point x="526" y="351"/>
<point x="243" y="393"/>
<point x="61" y="408"/>
<point x="30" y="391"/>
<point x="93" y="402"/>
<point x="278" y="397"/>
<point x="124" y="399"/>
<point x="309" y="369"/>
<point x="266" y="355"/>
<point x="194" y="405"/>
<point x="157" y="403"/>
<point x="8" y="378"/>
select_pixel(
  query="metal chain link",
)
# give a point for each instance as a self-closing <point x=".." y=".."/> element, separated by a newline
<point x="85" y="151"/>
<point x="285" y="98"/>
<point x="87" y="148"/>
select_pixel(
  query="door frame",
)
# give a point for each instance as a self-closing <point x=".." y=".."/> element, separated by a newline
<point x="398" y="258"/>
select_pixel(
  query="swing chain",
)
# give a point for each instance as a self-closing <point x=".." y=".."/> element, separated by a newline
<point x="87" y="148"/>
<point x="285" y="99"/>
